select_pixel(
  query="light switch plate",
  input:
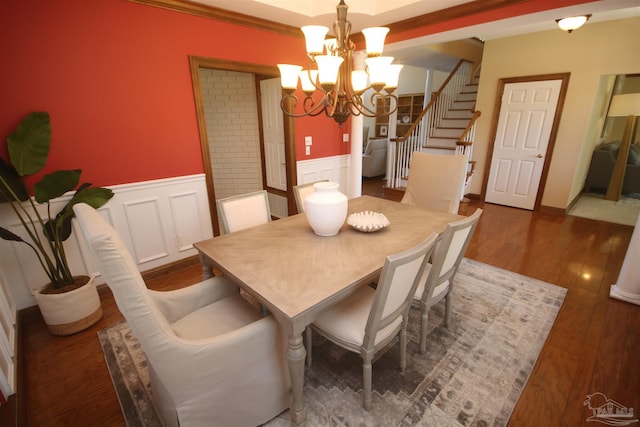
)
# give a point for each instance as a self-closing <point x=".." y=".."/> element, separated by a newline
<point x="308" y="150"/>
<point x="345" y="137"/>
<point x="308" y="141"/>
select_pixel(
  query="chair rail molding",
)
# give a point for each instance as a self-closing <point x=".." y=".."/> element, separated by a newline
<point x="158" y="220"/>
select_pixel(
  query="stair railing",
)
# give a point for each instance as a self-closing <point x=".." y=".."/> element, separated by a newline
<point x="417" y="136"/>
<point x="464" y="145"/>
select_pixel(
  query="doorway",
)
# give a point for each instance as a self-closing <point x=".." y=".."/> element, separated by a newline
<point x="214" y="163"/>
<point x="523" y="137"/>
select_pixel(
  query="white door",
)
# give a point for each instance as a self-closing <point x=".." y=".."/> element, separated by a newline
<point x="273" y="134"/>
<point x="522" y="137"/>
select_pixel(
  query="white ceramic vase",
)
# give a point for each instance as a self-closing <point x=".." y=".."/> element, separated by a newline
<point x="326" y="208"/>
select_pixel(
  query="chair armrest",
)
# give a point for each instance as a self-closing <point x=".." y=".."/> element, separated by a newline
<point x="255" y="351"/>
<point x="178" y="303"/>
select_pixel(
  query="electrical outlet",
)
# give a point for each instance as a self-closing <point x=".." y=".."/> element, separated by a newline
<point x="308" y="150"/>
<point x="345" y="137"/>
<point x="308" y="141"/>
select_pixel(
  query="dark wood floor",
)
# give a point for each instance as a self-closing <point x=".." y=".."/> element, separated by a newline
<point x="594" y="345"/>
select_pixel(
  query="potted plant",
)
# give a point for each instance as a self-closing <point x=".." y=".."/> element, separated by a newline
<point x="68" y="303"/>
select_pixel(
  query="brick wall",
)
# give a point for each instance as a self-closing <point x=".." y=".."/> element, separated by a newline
<point x="231" y="113"/>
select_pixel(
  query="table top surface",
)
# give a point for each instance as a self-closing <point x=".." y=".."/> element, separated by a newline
<point x="296" y="273"/>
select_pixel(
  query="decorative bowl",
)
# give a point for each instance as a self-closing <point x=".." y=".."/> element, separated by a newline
<point x="368" y="221"/>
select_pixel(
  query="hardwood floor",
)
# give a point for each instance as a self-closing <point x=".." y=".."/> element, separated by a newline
<point x="594" y="345"/>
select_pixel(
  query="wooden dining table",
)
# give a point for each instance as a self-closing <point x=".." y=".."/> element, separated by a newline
<point x="296" y="274"/>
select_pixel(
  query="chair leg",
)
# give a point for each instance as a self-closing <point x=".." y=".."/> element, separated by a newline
<point x="403" y="349"/>
<point x="366" y="376"/>
<point x="424" y="321"/>
<point x="447" y="310"/>
<point x="308" y="340"/>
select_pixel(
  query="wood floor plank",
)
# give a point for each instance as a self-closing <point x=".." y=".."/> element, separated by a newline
<point x="593" y="344"/>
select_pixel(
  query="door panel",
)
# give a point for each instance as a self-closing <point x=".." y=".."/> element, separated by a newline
<point x="273" y="133"/>
<point x="522" y="138"/>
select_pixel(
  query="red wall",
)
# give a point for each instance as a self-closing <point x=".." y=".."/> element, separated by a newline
<point x="115" y="78"/>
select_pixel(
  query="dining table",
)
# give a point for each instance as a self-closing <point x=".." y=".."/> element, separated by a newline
<point x="296" y="274"/>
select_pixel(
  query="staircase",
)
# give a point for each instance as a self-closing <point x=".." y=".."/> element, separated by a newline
<point x="445" y="134"/>
<point x="445" y="126"/>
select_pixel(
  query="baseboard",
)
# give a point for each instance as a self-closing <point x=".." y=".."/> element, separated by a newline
<point x="472" y="196"/>
<point x="574" y="201"/>
<point x="552" y="210"/>
<point x="167" y="268"/>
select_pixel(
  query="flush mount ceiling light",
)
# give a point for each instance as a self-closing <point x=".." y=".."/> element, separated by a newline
<point x="333" y="75"/>
<point x="572" y="23"/>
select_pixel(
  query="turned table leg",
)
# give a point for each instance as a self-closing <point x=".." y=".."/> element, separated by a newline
<point x="296" y="357"/>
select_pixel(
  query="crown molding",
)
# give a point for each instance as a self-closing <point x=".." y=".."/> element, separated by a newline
<point x="444" y="15"/>
<point x="223" y="15"/>
<point x="455" y="12"/>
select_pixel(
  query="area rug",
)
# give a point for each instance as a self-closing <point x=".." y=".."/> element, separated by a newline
<point x="471" y="375"/>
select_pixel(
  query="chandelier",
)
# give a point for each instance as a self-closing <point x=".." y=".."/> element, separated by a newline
<point x="331" y="83"/>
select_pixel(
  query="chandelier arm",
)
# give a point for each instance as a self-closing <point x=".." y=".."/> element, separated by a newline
<point x="331" y="101"/>
<point x="318" y="109"/>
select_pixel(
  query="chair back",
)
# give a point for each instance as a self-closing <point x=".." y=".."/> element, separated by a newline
<point x="436" y="181"/>
<point x="243" y="211"/>
<point x="120" y="272"/>
<point x="448" y="253"/>
<point x="397" y="285"/>
<point x="301" y="191"/>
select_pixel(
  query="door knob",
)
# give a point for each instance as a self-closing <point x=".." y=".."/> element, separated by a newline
<point x="539" y="156"/>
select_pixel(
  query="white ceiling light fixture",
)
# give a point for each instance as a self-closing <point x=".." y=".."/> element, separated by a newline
<point x="572" y="23"/>
<point x="339" y="81"/>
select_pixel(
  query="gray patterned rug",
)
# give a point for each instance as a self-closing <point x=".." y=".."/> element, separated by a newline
<point x="472" y="374"/>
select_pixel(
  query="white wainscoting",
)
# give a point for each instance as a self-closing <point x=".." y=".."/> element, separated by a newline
<point x="334" y="169"/>
<point x="158" y="220"/>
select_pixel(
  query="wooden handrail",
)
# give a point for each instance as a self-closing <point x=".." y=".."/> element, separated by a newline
<point x="461" y="140"/>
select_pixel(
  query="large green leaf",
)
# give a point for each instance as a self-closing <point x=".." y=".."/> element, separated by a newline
<point x="10" y="181"/>
<point x="61" y="224"/>
<point x="29" y="144"/>
<point x="93" y="196"/>
<point x="8" y="235"/>
<point x="56" y="184"/>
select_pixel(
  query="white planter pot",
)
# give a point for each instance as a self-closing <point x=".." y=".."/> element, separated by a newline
<point x="70" y="312"/>
<point x="326" y="208"/>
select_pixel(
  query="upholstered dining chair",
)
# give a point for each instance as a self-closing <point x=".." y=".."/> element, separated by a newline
<point x="436" y="181"/>
<point x="437" y="280"/>
<point x="213" y="359"/>
<point x="301" y="191"/>
<point x="243" y="211"/>
<point x="369" y="319"/>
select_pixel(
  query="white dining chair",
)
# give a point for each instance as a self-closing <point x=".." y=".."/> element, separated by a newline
<point x="213" y="359"/>
<point x="301" y="191"/>
<point x="369" y="319"/>
<point x="243" y="211"/>
<point x="437" y="280"/>
<point x="436" y="181"/>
